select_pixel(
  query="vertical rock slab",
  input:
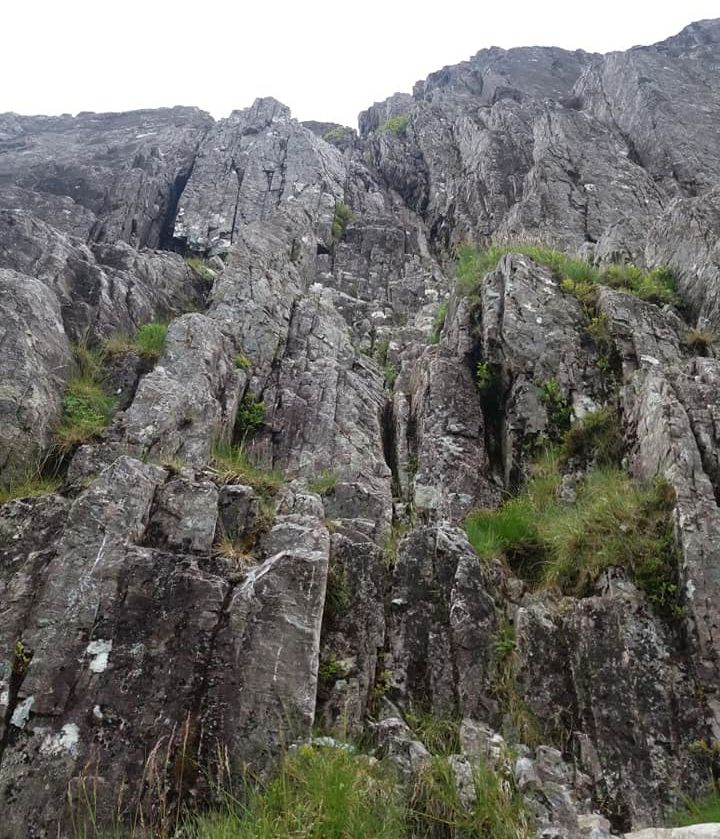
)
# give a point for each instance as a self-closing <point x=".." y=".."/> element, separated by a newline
<point x="603" y="675"/>
<point x="660" y="413"/>
<point x="353" y="631"/>
<point x="247" y="165"/>
<point x="533" y="333"/>
<point x="452" y="468"/>
<point x="686" y="237"/>
<point x="441" y="625"/>
<point x="264" y="698"/>
<point x="35" y="363"/>
<point x="189" y="400"/>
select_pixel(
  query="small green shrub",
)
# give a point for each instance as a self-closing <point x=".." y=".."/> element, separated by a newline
<point x="498" y="811"/>
<point x="483" y="376"/>
<point x="22" y="656"/>
<point x="395" y="125"/>
<point x="150" y="340"/>
<point x="324" y="484"/>
<point x="250" y="417"/>
<point x="318" y="793"/>
<point x="242" y="362"/>
<point x="337" y="134"/>
<point x="596" y="438"/>
<point x="343" y="216"/>
<point x="337" y="593"/>
<point x="559" y="410"/>
<point x="703" y="811"/>
<point x="198" y="265"/>
<point x="390" y="373"/>
<point x="329" y="672"/>
<point x="438" y="323"/>
<point x="380" y="351"/>
<point x="233" y="467"/>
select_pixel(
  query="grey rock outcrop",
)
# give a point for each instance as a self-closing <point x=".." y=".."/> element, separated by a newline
<point x="101" y="177"/>
<point x="149" y="608"/>
<point x="37" y="363"/>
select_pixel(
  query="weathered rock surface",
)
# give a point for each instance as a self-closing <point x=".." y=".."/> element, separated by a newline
<point x="533" y="337"/>
<point x="101" y="177"/>
<point x="147" y="608"/>
<point x="36" y="364"/>
<point x="102" y="289"/>
<point x="622" y="697"/>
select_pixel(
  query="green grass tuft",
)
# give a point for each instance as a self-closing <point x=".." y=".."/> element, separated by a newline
<point x="498" y="812"/>
<point x="150" y="340"/>
<point x="234" y="467"/>
<point x="700" y="341"/>
<point x="613" y="521"/>
<point x="318" y="793"/>
<point x="702" y="811"/>
<point x="438" y="323"/>
<point x="29" y="487"/>
<point x="242" y="362"/>
<point x="87" y="408"/>
<point x="198" y="265"/>
<point x="595" y="439"/>
<point x="324" y="484"/>
<point x="439" y="735"/>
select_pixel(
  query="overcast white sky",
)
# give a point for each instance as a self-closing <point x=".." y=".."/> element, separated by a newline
<point x="326" y="59"/>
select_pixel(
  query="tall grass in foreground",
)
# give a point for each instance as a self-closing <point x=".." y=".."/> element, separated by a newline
<point x="318" y="793"/>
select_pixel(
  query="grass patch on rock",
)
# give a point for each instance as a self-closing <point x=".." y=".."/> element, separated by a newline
<point x="395" y="125"/>
<point x="149" y="342"/>
<point x="323" y="484"/>
<point x="29" y="487"/>
<point x="576" y="276"/>
<point x="438" y="323"/>
<point x="497" y="809"/>
<point x="234" y="467"/>
<point x="613" y="521"/>
<point x="198" y="265"/>
<point x="87" y="407"/>
<point x="343" y="216"/>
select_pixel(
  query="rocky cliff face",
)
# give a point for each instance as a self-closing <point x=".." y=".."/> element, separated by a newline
<point x="159" y="591"/>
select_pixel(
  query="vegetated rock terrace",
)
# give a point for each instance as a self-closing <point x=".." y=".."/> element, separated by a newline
<point x="247" y="519"/>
